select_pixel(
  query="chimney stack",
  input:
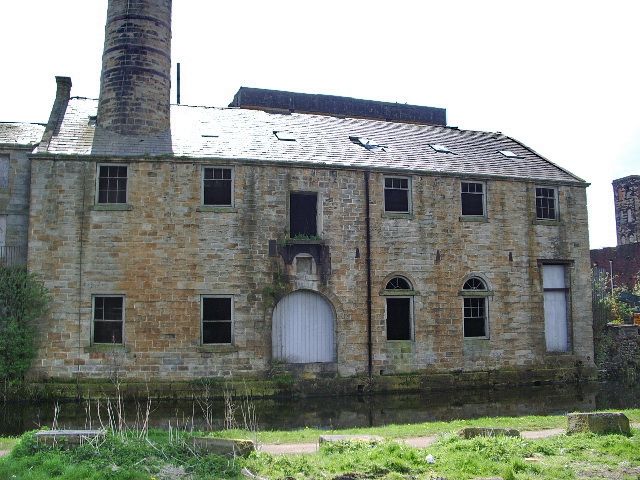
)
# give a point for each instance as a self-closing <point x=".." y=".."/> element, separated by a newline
<point x="136" y="67"/>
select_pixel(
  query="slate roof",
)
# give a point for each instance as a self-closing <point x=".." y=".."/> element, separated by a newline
<point x="247" y="135"/>
<point x="20" y="133"/>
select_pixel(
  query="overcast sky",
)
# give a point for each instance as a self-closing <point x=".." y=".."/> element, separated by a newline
<point x="561" y="76"/>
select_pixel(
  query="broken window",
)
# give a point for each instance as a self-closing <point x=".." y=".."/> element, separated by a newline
<point x="399" y="309"/>
<point x="4" y="171"/>
<point x="112" y="184"/>
<point x="108" y="318"/>
<point x="396" y="194"/>
<point x="546" y="208"/>
<point x="303" y="214"/>
<point x="216" y="319"/>
<point x="473" y="199"/>
<point x="475" y="295"/>
<point x="217" y="186"/>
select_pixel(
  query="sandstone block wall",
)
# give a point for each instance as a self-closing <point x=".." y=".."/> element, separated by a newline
<point x="163" y="251"/>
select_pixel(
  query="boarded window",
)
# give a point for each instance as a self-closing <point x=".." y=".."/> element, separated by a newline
<point x="546" y="203"/>
<point x="303" y="214"/>
<point x="555" y="308"/>
<point x="108" y="319"/>
<point x="217" y="186"/>
<point x="216" y="319"/>
<point x="472" y="197"/>
<point x="4" y="171"/>
<point x="3" y="230"/>
<point x="396" y="194"/>
<point x="112" y="184"/>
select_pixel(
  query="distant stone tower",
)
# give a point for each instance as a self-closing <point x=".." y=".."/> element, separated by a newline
<point x="136" y="67"/>
<point x="626" y="193"/>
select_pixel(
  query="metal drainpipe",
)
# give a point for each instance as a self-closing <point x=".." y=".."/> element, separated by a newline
<point x="368" y="260"/>
<point x="80" y="254"/>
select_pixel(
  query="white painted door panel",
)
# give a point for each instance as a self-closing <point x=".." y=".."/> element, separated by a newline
<point x="555" y="308"/>
<point x="303" y="329"/>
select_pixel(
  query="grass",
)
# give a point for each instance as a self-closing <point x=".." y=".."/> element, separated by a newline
<point x="7" y="443"/>
<point x="162" y="456"/>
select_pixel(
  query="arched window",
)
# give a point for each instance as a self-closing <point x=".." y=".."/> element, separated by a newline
<point x="399" y="308"/>
<point x="475" y="308"/>
<point x="398" y="283"/>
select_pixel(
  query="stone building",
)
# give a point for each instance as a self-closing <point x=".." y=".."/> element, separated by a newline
<point x="184" y="242"/>
<point x="17" y="141"/>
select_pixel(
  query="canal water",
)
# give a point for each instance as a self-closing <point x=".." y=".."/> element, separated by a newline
<point x="327" y="412"/>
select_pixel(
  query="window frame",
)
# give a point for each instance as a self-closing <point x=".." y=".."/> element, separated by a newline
<point x="399" y="293"/>
<point x="483" y="215"/>
<point x="555" y="203"/>
<point x="408" y="190"/>
<point x="126" y="192"/>
<point x="231" y="321"/>
<point x="232" y="181"/>
<point x="318" y="218"/>
<point x="470" y="294"/>
<point x="93" y="317"/>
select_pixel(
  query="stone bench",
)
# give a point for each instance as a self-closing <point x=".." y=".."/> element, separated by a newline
<point x="472" y="432"/>
<point x="600" y="423"/>
<point x="68" y="437"/>
<point x="224" y="446"/>
<point x="349" y="438"/>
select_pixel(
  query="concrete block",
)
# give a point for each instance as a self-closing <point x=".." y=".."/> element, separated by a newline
<point x="223" y="446"/>
<point x="68" y="437"/>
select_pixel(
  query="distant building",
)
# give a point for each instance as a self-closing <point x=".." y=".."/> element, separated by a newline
<point x="624" y="259"/>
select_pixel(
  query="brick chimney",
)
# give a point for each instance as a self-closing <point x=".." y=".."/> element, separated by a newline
<point x="136" y="67"/>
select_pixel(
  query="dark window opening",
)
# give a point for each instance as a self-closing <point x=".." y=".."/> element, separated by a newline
<point x="396" y="194"/>
<point x="472" y="199"/>
<point x="546" y="203"/>
<point x="217" y="187"/>
<point x="107" y="319"/>
<point x="303" y="215"/>
<point x="474" y="317"/>
<point x="216" y="320"/>
<point x="398" y="319"/>
<point x="112" y="184"/>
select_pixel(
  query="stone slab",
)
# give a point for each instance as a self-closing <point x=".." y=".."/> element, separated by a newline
<point x="601" y="423"/>
<point x="224" y="446"/>
<point x="349" y="438"/>
<point x="471" y="432"/>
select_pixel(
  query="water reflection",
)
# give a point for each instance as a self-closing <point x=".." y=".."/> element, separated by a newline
<point x="338" y="412"/>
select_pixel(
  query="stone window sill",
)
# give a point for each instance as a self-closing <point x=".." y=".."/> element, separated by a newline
<point x="473" y="218"/>
<point x="399" y="293"/>
<point x="112" y="207"/>
<point x="106" y="348"/>
<point x="398" y="215"/>
<point x="539" y="221"/>
<point x="216" y="209"/>
<point x="219" y="348"/>
<point x="476" y="339"/>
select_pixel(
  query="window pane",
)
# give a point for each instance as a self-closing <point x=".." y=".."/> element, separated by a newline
<point x="112" y="184"/>
<point x="396" y="200"/>
<point x="472" y="204"/>
<point x="474" y="317"/>
<point x="216" y="309"/>
<point x="216" y="332"/>
<point x="217" y="186"/>
<point x="112" y="308"/>
<point x="398" y="319"/>
<point x="107" y="332"/>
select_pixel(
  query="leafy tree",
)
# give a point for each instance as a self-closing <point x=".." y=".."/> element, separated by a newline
<point x="23" y="299"/>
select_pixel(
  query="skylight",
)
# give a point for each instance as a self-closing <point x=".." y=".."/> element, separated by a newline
<point x="367" y="143"/>
<point x="284" y="136"/>
<point x="440" y="148"/>
<point x="509" y="154"/>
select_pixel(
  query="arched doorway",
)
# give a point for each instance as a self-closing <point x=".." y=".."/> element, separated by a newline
<point x="303" y="329"/>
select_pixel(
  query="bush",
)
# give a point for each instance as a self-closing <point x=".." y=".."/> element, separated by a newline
<point x="23" y="299"/>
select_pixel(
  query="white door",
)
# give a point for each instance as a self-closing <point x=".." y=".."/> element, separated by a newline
<point x="303" y="329"/>
<point x="555" y="308"/>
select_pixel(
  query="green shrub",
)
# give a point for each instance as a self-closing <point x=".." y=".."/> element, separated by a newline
<point x="23" y="299"/>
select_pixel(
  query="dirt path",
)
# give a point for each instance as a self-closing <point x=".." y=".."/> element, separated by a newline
<point x="417" y="442"/>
